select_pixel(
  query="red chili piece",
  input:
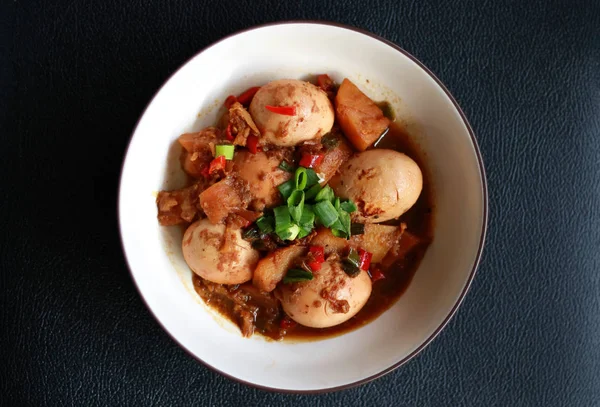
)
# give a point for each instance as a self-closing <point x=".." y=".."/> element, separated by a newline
<point x="318" y="257"/>
<point x="318" y="253"/>
<point x="284" y="110"/>
<point x="228" y="134"/>
<point x="311" y="160"/>
<point x="365" y="259"/>
<point x="252" y="144"/>
<point x="314" y="265"/>
<point x="230" y="101"/>
<point x="246" y="97"/>
<point x="376" y="275"/>
<point x="217" y="164"/>
<point x="287" y="323"/>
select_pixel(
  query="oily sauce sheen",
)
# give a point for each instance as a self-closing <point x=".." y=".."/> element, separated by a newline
<point x="265" y="309"/>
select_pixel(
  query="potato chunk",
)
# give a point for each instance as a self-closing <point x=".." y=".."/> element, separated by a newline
<point x="361" y="119"/>
<point x="271" y="269"/>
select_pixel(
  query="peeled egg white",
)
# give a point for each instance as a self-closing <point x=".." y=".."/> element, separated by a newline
<point x="383" y="183"/>
<point x="203" y="252"/>
<point x="314" y="112"/>
<point x="317" y="303"/>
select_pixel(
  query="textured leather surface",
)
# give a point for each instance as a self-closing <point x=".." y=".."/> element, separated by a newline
<point x="76" y="75"/>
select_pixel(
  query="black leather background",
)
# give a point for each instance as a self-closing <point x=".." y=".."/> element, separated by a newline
<point x="76" y="75"/>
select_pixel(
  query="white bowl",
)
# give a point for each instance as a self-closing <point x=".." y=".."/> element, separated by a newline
<point x="190" y="100"/>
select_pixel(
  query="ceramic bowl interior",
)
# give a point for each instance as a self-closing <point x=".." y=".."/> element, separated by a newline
<point x="190" y="100"/>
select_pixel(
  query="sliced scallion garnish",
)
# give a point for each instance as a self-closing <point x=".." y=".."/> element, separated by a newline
<point x="282" y="217"/>
<point x="325" y="194"/>
<point x="301" y="178"/>
<point x="304" y="231"/>
<point x="308" y="216"/>
<point x="351" y="263"/>
<point x="290" y="232"/>
<point x="252" y="233"/>
<point x="344" y="219"/>
<point x="326" y="213"/>
<point x="265" y="224"/>
<point x="311" y="178"/>
<point x="312" y="192"/>
<point x="348" y="206"/>
<point x="296" y="276"/>
<point x="225" y="150"/>
<point x="357" y="229"/>
<point x="285" y="229"/>
<point x="287" y="188"/>
<point x="296" y="205"/>
<point x="284" y="165"/>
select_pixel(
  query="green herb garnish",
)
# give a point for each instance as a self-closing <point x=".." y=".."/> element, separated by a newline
<point x="296" y="275"/>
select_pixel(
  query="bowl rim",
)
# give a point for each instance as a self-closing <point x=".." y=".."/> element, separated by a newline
<point x="484" y="192"/>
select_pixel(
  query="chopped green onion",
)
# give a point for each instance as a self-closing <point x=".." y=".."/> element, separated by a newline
<point x="339" y="233"/>
<point x="357" y="229"/>
<point x="285" y="229"/>
<point x="304" y="231"/>
<point x="251" y="233"/>
<point x="336" y="204"/>
<point x="351" y="263"/>
<point x="312" y="191"/>
<point x="344" y="219"/>
<point x="311" y="178"/>
<point x="308" y="217"/>
<point x="325" y="194"/>
<point x="290" y="232"/>
<point x="296" y="205"/>
<point x="287" y="188"/>
<point x="297" y="276"/>
<point x="337" y="225"/>
<point x="348" y="206"/>
<point x="265" y="224"/>
<point x="225" y="150"/>
<point x="282" y="217"/>
<point x="301" y="178"/>
<point x="341" y="227"/>
<point x="326" y="213"/>
<point x="330" y="141"/>
<point x="350" y="269"/>
<point x="284" y="165"/>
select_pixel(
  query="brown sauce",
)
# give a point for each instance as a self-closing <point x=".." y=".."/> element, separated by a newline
<point x="267" y="312"/>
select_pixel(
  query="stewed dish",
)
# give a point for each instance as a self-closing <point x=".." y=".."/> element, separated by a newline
<point x="307" y="212"/>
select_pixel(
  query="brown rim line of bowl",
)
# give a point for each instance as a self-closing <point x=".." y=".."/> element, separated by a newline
<point x="481" y="240"/>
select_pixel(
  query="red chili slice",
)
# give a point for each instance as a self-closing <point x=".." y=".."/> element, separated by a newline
<point x="246" y="97"/>
<point x="376" y="275"/>
<point x="230" y="101"/>
<point x="217" y="164"/>
<point x="284" y="110"/>
<point x="317" y="257"/>
<point x="365" y="259"/>
<point x="228" y="134"/>
<point x="252" y="144"/>
<point x="311" y="160"/>
<point x="318" y="253"/>
<point x="314" y="265"/>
